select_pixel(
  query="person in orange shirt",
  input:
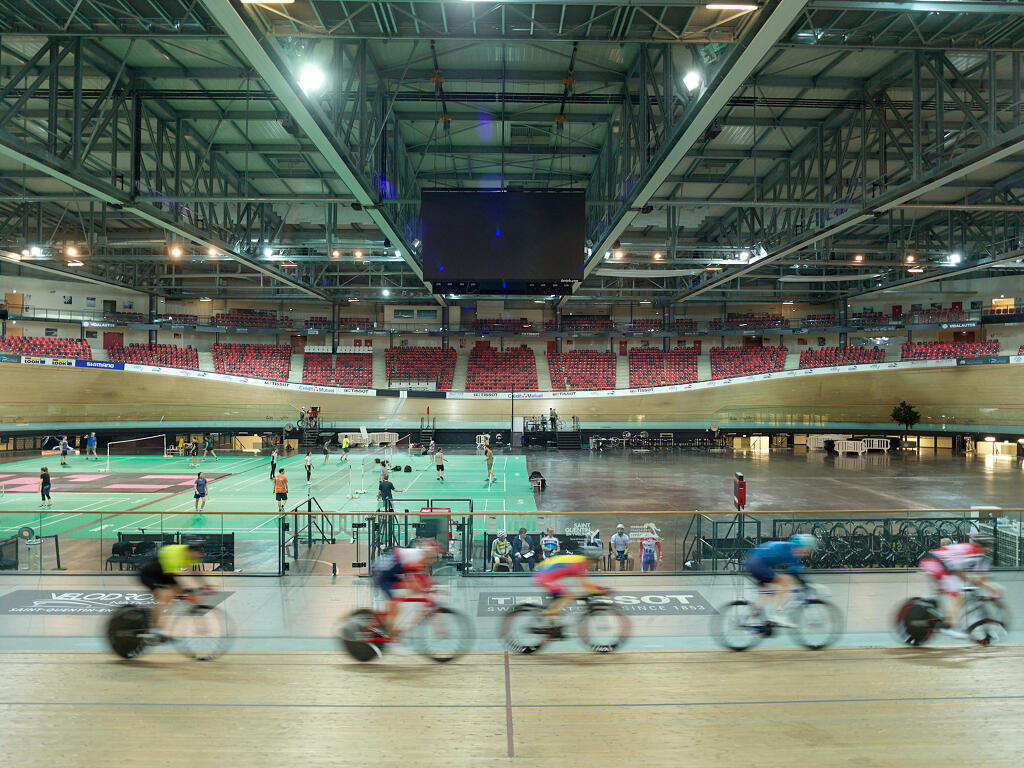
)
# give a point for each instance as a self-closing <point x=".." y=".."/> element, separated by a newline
<point x="281" y="489"/>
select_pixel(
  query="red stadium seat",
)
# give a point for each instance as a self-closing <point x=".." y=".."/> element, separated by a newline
<point x="822" y="357"/>
<point x="259" y="361"/>
<point x="346" y="369"/>
<point x="46" y="346"/>
<point x="421" y="363"/>
<point x="582" y="369"/>
<point x="746" y="361"/>
<point x="493" y="370"/>
<point x="947" y="350"/>
<point x="646" y="367"/>
<point x="164" y="355"/>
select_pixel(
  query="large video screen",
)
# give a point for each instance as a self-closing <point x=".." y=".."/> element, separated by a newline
<point x="514" y="236"/>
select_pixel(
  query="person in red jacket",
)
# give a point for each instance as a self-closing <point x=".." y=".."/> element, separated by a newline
<point x="650" y="548"/>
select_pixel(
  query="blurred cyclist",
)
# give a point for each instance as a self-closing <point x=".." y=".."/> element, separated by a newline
<point x="776" y="566"/>
<point x="501" y="551"/>
<point x="160" y="574"/>
<point x="953" y="565"/>
<point x="551" y="575"/>
<point x="404" y="568"/>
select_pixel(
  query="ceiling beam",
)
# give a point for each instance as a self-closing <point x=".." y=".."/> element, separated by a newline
<point x="772" y="22"/>
<point x="71" y="274"/>
<point x="263" y="54"/>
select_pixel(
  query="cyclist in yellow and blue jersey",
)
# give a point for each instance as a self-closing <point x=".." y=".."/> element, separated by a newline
<point x="501" y="551"/>
<point x="552" y="573"/>
<point x="160" y="575"/>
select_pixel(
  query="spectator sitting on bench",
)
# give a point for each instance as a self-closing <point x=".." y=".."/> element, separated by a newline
<point x="619" y="546"/>
<point x="523" y="551"/>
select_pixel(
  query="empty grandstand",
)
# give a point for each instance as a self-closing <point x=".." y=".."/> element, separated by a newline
<point x="260" y="361"/>
<point x="164" y="355"/>
<point x="582" y="369"/>
<point x="494" y="370"/>
<point x="746" y="361"/>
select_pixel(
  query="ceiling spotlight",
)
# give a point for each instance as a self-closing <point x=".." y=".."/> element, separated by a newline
<point x="788" y="301"/>
<point x="744" y="255"/>
<point x="954" y="258"/>
<point x="212" y="253"/>
<point x="691" y="80"/>
<point x="351" y="300"/>
<point x="607" y="254"/>
<point x="910" y="259"/>
<point x="75" y="263"/>
<point x="398" y="254"/>
<point x="335" y="253"/>
<point x="385" y="292"/>
<point x="859" y="257"/>
<point x="711" y="6"/>
<point x="415" y="243"/>
<point x="175" y="251"/>
<point x="206" y="298"/>
<point x="658" y="257"/>
<point x="35" y="250"/>
<point x="916" y="270"/>
<point x="71" y="251"/>
<point x="358" y="254"/>
<point x="618" y="255"/>
<point x="25" y="252"/>
<point x="311" y="79"/>
<point x="268" y="252"/>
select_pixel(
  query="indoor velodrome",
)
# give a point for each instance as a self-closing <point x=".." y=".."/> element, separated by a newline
<point x="464" y="384"/>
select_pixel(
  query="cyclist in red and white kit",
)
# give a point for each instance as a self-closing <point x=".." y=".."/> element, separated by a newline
<point x="650" y="548"/>
<point x="953" y="565"/>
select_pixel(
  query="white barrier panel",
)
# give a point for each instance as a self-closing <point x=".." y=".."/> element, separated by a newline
<point x="877" y="443"/>
<point x="817" y="442"/>
<point x="851" y="446"/>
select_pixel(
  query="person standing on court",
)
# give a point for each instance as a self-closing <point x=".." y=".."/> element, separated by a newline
<point x="273" y="462"/>
<point x="431" y="450"/>
<point x="64" y="448"/>
<point x="90" y="446"/>
<point x="309" y="467"/>
<point x="44" y="488"/>
<point x="489" y="459"/>
<point x="193" y="450"/>
<point x="327" y="450"/>
<point x="553" y="418"/>
<point x="281" y="489"/>
<point x="440" y="460"/>
<point x="200" y="494"/>
<point x="346" y="444"/>
<point x="208" y="446"/>
<point x="385" y="491"/>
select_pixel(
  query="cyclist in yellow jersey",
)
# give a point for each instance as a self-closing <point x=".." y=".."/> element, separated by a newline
<point x="160" y="575"/>
<point x="501" y="552"/>
<point x="551" y="573"/>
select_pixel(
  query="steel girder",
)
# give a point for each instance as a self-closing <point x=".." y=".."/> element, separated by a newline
<point x="953" y="124"/>
<point x="357" y="135"/>
<point x="648" y="145"/>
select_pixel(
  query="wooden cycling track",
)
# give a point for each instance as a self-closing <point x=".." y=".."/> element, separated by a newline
<point x="840" y="707"/>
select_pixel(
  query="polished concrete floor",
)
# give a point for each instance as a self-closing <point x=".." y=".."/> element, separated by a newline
<point x="674" y="480"/>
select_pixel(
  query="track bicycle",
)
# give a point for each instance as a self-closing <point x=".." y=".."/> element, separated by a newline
<point x="742" y="624"/>
<point x="436" y="631"/>
<point x="984" y="618"/>
<point x="195" y="624"/>
<point x="598" y="623"/>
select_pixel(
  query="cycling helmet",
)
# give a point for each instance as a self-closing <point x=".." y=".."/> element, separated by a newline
<point x="982" y="539"/>
<point x="591" y="552"/>
<point x="804" y="540"/>
<point x="620" y="527"/>
<point x="502" y="535"/>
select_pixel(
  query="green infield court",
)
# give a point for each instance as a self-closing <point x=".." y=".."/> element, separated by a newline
<point x="140" y="495"/>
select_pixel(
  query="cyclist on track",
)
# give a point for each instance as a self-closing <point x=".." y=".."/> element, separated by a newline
<point x="501" y="551"/>
<point x="776" y="566"/>
<point x="404" y="568"/>
<point x="551" y="575"/>
<point x="953" y="566"/>
<point x="160" y="574"/>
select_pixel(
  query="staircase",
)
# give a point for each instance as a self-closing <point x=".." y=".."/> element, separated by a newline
<point x="308" y="438"/>
<point x="295" y="372"/>
<point x="380" y="371"/>
<point x="569" y="440"/>
<point x="621" y="372"/>
<point x="206" y="361"/>
<point x="462" y="371"/>
<point x="543" y="373"/>
<point x="427" y="424"/>
<point x="704" y="367"/>
<point x="792" y="361"/>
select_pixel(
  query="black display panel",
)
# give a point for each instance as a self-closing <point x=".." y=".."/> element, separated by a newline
<point x="513" y="237"/>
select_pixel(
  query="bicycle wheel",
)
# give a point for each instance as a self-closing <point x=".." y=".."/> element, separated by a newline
<point x="739" y="625"/>
<point x="818" y="624"/>
<point x="520" y="629"/>
<point x="124" y="628"/>
<point x="358" y="638"/>
<point x="603" y="628"/>
<point x="916" y="621"/>
<point x="442" y="634"/>
<point x="200" y="631"/>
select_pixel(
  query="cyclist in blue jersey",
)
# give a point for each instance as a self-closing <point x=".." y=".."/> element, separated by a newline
<point x="776" y="566"/>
